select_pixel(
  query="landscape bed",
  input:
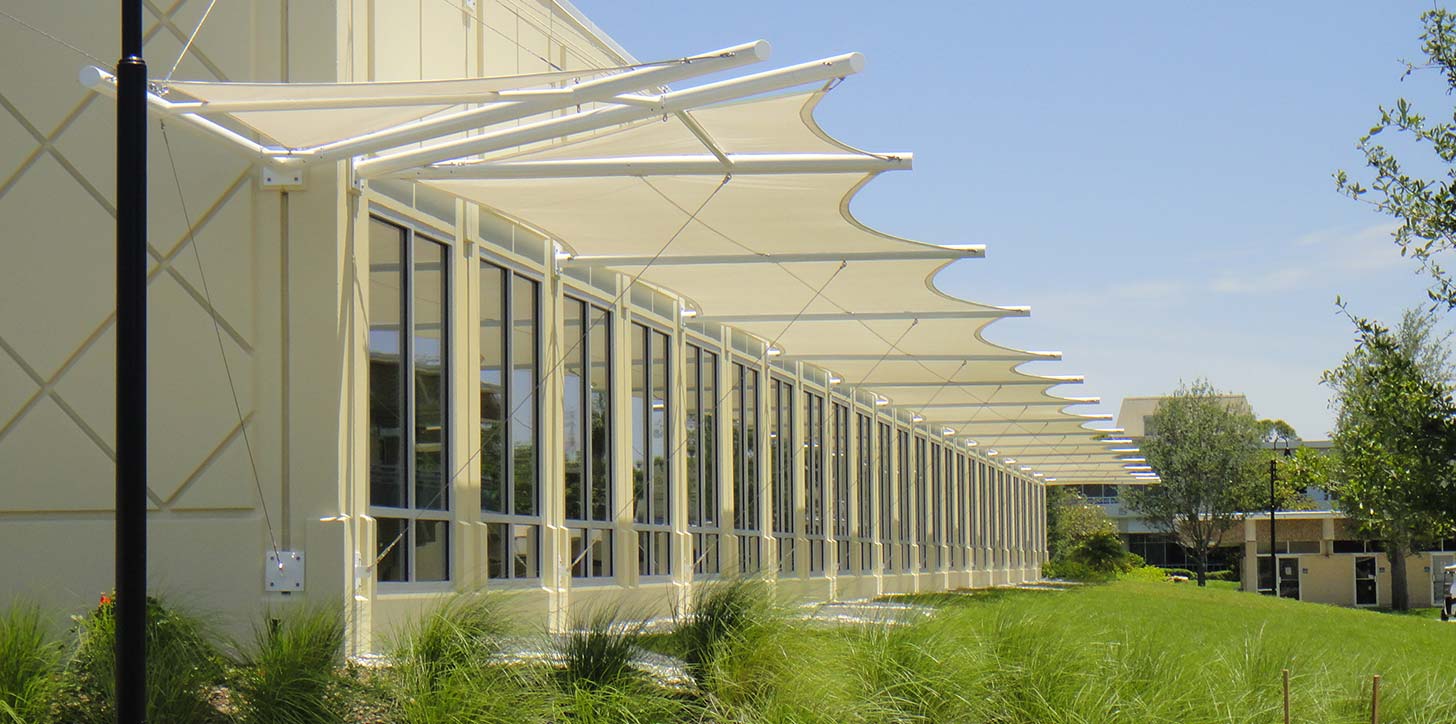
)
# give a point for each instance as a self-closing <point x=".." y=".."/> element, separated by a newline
<point x="1128" y="651"/>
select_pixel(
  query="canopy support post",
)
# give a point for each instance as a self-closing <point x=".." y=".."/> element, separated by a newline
<point x="131" y="369"/>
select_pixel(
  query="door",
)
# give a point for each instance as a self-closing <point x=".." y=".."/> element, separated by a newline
<point x="1440" y="577"/>
<point x="1289" y="578"/>
<point x="1367" y="591"/>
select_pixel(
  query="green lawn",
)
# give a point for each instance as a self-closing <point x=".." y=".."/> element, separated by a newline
<point x="1158" y="652"/>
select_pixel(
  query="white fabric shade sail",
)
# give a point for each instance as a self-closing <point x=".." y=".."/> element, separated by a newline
<point x="729" y="195"/>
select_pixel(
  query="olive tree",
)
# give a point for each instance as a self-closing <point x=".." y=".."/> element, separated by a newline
<point x="1205" y="451"/>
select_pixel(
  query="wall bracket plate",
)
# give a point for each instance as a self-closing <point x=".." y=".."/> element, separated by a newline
<point x="283" y="572"/>
<point x="282" y="178"/>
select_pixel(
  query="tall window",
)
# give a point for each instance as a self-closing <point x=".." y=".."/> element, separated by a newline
<point x="814" y="507"/>
<point x="864" y="482"/>
<point x="409" y="480"/>
<point x="921" y="502"/>
<point x="510" y="441"/>
<point x="839" y="474"/>
<point x="701" y="405"/>
<point x="950" y="490"/>
<point x="935" y="532"/>
<point x="963" y="511"/>
<point x="587" y="436"/>
<point x="651" y="438"/>
<point x="746" y="526"/>
<point x="888" y="532"/>
<point x="903" y="508"/>
<point x="781" y="448"/>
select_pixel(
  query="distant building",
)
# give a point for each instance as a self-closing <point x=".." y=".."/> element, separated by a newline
<point x="1322" y="559"/>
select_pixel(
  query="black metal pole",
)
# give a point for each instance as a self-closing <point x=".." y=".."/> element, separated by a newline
<point x="131" y="370"/>
<point x="1273" y="554"/>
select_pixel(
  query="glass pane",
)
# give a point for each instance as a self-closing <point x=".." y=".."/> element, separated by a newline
<point x="498" y="536"/>
<point x="386" y="389"/>
<point x="494" y="497"/>
<point x="660" y="436"/>
<point x="524" y="551"/>
<point x="639" y="423"/>
<point x="392" y="549"/>
<point x="599" y="339"/>
<point x="572" y="409"/>
<point x="430" y="352"/>
<point x="691" y="372"/>
<point x="432" y="550"/>
<point x="750" y="445"/>
<point x="709" y="444"/>
<point x="524" y="315"/>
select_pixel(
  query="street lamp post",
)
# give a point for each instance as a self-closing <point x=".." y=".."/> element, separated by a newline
<point x="1273" y="507"/>
<point x="1273" y="554"/>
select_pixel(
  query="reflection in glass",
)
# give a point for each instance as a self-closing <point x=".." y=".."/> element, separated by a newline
<point x="392" y="549"/>
<point x="573" y="385"/>
<point x="429" y="301"/>
<point x="600" y="395"/>
<point x="432" y="550"/>
<point x="386" y="389"/>
<point x="524" y="313"/>
<point x="492" y="389"/>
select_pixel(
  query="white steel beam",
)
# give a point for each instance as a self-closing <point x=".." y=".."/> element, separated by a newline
<point x="507" y="105"/>
<point x="867" y="316"/>
<point x="992" y="357"/>
<point x="927" y="252"/>
<point x="667" y="103"/>
<point x="1065" y="402"/>
<point x="1034" y="404"/>
<point x="1047" y="380"/>
<point x="702" y="165"/>
<point x="1020" y="421"/>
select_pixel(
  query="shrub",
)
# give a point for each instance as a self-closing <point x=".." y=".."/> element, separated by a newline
<point x="598" y="651"/>
<point x="444" y="668"/>
<point x="722" y="615"/>
<point x="30" y="660"/>
<point x="183" y="664"/>
<point x="1184" y="572"/>
<point x="292" y="676"/>
<point x="1229" y="575"/>
<point x="1146" y="573"/>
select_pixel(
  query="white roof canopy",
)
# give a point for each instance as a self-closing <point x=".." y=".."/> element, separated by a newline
<point x="729" y="194"/>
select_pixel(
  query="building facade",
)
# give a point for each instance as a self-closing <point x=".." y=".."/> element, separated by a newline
<point x="376" y="392"/>
<point x="1323" y="559"/>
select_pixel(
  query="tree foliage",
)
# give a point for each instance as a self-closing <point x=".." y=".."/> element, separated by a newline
<point x="1424" y="207"/>
<point x="1395" y="438"/>
<point x="1206" y="453"/>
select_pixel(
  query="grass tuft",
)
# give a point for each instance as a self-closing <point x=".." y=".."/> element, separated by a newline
<point x="724" y="614"/>
<point x="30" y="660"/>
<point x="292" y="674"/>
<point x="599" y="650"/>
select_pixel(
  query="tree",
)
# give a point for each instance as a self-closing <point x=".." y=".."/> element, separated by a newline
<point x="1424" y="207"/>
<point x="1206" y="453"/>
<point x="1395" y="439"/>
<point x="1081" y="539"/>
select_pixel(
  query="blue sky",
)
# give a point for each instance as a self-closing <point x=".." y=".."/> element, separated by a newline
<point x="1152" y="178"/>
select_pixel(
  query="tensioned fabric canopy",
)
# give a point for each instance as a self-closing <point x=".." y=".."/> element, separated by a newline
<point x="728" y="194"/>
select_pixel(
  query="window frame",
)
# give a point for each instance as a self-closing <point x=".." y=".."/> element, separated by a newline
<point x="658" y="537"/>
<point x="411" y="513"/>
<point x="511" y="272"/>
<point x="704" y="472"/>
<point x="589" y="527"/>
